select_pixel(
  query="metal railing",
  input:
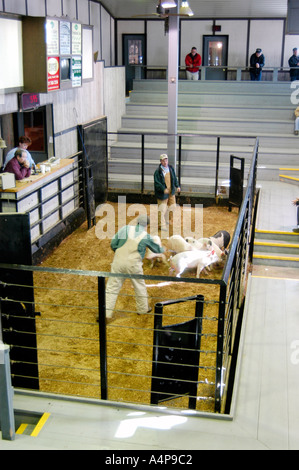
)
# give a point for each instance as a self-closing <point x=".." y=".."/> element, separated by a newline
<point x="229" y="73"/>
<point x="65" y="346"/>
<point x="183" y="140"/>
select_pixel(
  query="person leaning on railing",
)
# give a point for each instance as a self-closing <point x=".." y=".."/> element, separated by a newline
<point x="294" y="64"/>
<point x="296" y="203"/>
<point x="257" y="62"/>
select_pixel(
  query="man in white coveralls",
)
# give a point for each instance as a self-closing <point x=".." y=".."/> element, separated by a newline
<point x="129" y="245"/>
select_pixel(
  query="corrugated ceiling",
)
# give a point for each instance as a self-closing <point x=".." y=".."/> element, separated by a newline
<point x="204" y="8"/>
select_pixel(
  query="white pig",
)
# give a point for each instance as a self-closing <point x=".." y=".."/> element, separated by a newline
<point x="200" y="244"/>
<point x="178" y="244"/>
<point x="192" y="259"/>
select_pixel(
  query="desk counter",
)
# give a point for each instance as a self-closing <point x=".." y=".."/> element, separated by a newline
<point x="49" y="198"/>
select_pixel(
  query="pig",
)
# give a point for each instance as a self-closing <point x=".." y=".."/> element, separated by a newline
<point x="177" y="244"/>
<point x="221" y="239"/>
<point x="192" y="259"/>
<point x="153" y="257"/>
<point x="200" y="244"/>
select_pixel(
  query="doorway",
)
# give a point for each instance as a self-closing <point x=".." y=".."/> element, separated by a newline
<point x="133" y="58"/>
<point x="215" y="53"/>
<point x="38" y="126"/>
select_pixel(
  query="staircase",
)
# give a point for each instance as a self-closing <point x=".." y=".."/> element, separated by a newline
<point x="280" y="249"/>
<point x="237" y="112"/>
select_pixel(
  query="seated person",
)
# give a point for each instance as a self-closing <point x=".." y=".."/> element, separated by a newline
<point x="19" y="165"/>
<point x="24" y="143"/>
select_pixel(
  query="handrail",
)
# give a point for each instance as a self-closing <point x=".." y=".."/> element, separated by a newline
<point x="275" y="71"/>
<point x="179" y="136"/>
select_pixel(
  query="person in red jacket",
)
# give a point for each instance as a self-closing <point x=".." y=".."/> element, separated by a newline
<point x="193" y="62"/>
<point x="19" y="165"/>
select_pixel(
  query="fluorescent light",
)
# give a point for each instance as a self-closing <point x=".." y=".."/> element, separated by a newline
<point x="168" y="4"/>
<point x="185" y="9"/>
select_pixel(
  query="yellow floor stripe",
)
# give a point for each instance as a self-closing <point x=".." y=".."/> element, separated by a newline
<point x="289" y="177"/>
<point x="288" y="169"/>
<point x="280" y="245"/>
<point x="276" y="278"/>
<point x="21" y="429"/>
<point x="275" y="232"/>
<point x="283" y="258"/>
<point x="40" y="424"/>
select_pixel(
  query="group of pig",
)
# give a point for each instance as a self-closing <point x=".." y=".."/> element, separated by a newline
<point x="191" y="253"/>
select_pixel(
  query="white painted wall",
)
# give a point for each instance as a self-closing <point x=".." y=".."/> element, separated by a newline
<point x="237" y="41"/>
<point x="268" y="35"/>
<point x="157" y="45"/>
<point x="192" y="33"/>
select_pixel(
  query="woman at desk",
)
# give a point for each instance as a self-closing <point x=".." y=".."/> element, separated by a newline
<point x="19" y="165"/>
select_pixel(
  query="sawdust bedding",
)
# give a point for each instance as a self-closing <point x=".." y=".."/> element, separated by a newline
<point x="68" y="339"/>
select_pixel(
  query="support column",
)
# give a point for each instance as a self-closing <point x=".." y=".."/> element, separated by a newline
<point x="173" y="78"/>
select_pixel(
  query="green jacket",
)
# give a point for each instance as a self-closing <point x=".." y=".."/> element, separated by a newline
<point x="121" y="237"/>
<point x="160" y="185"/>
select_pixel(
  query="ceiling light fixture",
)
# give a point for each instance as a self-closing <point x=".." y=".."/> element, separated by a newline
<point x="160" y="9"/>
<point x="168" y="4"/>
<point x="185" y="9"/>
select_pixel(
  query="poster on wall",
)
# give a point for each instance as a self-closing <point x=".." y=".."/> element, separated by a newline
<point x="76" y="71"/>
<point x="52" y="37"/>
<point x="65" y="38"/>
<point x="76" y="38"/>
<point x="53" y="73"/>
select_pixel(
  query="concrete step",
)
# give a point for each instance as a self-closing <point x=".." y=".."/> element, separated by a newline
<point x="271" y="247"/>
<point x="270" y="158"/>
<point x="213" y="111"/>
<point x="276" y="236"/>
<point x="190" y="124"/>
<point x="204" y="187"/>
<point x="278" y="259"/>
<point x="197" y="98"/>
<point x="207" y="153"/>
<point x="199" y="168"/>
<point x="214" y="86"/>
<point x="230" y="138"/>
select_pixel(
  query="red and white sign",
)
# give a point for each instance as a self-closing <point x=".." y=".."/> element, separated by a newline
<point x="53" y="73"/>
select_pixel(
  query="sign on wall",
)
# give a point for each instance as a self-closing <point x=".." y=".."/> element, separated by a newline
<point x="52" y="27"/>
<point x="76" y="71"/>
<point x="53" y="73"/>
<point x="76" y="38"/>
<point x="65" y="38"/>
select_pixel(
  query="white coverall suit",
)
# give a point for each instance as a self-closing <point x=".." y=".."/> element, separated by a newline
<point x="127" y="260"/>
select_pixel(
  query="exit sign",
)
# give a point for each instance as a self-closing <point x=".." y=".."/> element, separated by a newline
<point x="29" y="101"/>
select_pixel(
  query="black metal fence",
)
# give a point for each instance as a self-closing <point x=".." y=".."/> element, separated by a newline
<point x="60" y="342"/>
<point x="145" y="163"/>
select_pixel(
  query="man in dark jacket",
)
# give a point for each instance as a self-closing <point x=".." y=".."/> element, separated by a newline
<point x="294" y="64"/>
<point x="166" y="183"/>
<point x="257" y="62"/>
